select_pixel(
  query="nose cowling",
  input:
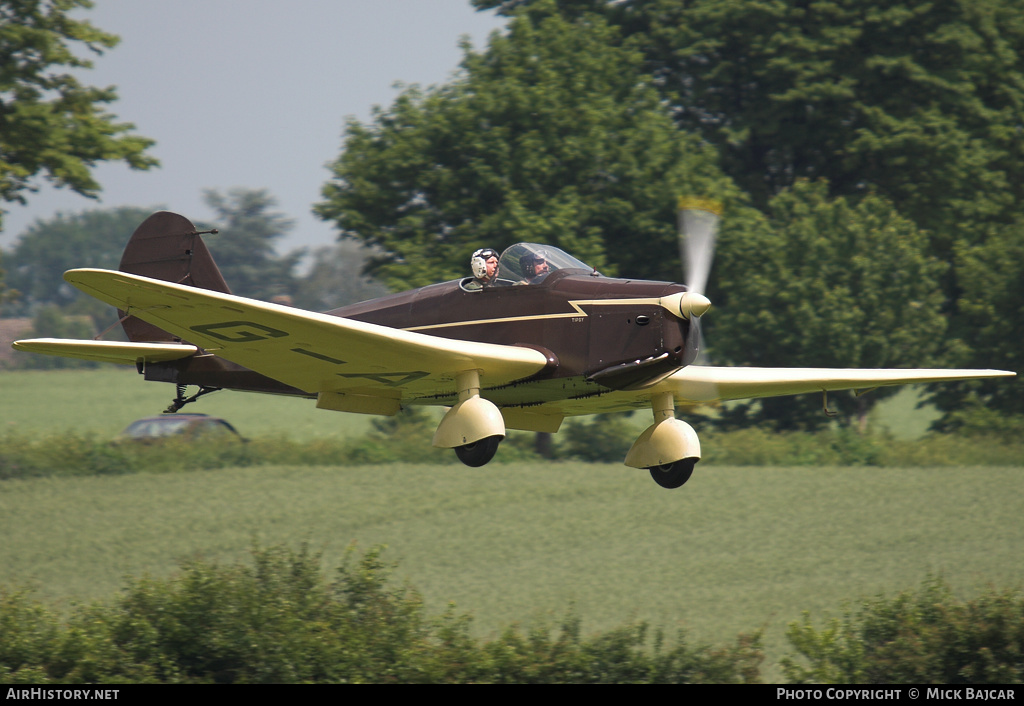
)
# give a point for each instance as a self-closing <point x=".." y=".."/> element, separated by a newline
<point x="690" y="306"/>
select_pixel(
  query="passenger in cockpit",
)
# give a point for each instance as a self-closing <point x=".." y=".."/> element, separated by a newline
<point x="484" y="263"/>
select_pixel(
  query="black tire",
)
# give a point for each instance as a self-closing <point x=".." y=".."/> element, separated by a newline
<point x="479" y="452"/>
<point x="673" y="475"/>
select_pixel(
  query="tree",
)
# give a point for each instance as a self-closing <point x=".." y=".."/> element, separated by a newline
<point x="828" y="283"/>
<point x="50" y="123"/>
<point x="917" y="101"/>
<point x="551" y="135"/>
<point x="244" y="246"/>
<point x="990" y="320"/>
<point x="48" y="248"/>
<point x="335" y="279"/>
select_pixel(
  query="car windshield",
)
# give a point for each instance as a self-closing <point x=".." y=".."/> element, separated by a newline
<point x="531" y="263"/>
<point x="153" y="428"/>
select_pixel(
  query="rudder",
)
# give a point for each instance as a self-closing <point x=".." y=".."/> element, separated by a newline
<point x="167" y="246"/>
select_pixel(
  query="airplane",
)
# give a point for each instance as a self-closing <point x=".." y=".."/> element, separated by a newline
<point x="520" y="353"/>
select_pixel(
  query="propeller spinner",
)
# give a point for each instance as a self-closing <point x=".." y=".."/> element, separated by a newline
<point x="698" y="229"/>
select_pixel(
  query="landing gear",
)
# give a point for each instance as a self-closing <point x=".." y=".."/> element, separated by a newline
<point x="180" y="400"/>
<point x="474" y="426"/>
<point x="673" y="475"/>
<point x="669" y="448"/>
<point x="479" y="452"/>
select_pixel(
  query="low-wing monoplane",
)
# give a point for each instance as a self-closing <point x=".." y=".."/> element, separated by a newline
<point x="523" y="352"/>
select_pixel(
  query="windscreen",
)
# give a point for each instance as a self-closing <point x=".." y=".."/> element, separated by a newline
<point x="531" y="263"/>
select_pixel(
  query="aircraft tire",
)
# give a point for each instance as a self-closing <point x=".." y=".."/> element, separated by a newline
<point x="673" y="475"/>
<point x="479" y="452"/>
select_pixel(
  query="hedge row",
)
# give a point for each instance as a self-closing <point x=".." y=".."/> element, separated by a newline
<point x="280" y="620"/>
<point x="84" y="455"/>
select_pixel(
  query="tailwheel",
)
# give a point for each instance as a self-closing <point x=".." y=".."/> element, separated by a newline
<point x="479" y="452"/>
<point x="673" y="475"/>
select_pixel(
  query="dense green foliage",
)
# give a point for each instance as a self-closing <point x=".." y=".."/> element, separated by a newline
<point x="878" y="144"/>
<point x="917" y="100"/>
<point x="551" y="135"/>
<point x="50" y="124"/>
<point x="926" y="636"/>
<point x="991" y="320"/>
<point x="281" y="620"/>
<point x="605" y="439"/>
<point x="826" y="283"/>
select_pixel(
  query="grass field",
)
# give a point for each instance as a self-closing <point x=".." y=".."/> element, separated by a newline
<point x="736" y="549"/>
<point x="105" y="400"/>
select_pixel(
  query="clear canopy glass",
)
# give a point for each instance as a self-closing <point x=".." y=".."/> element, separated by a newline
<point x="531" y="263"/>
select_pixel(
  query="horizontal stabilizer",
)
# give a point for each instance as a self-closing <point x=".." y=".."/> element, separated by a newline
<point x="107" y="351"/>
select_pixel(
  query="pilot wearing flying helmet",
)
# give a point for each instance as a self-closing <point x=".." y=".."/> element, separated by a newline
<point x="535" y="267"/>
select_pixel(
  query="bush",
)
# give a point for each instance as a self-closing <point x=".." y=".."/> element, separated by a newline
<point x="922" y="637"/>
<point x="279" y="620"/>
<point x="407" y="438"/>
<point x="604" y="439"/>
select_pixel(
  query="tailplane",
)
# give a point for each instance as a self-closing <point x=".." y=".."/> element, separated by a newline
<point x="168" y="247"/>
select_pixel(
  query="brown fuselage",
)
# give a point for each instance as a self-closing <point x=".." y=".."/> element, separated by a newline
<point x="598" y="332"/>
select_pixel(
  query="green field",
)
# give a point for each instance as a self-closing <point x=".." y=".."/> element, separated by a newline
<point x="105" y="400"/>
<point x="735" y="550"/>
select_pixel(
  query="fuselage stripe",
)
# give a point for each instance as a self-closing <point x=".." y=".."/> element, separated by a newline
<point x="574" y="304"/>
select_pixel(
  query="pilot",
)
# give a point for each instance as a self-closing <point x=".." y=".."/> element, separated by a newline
<point x="484" y="263"/>
<point x="534" y="266"/>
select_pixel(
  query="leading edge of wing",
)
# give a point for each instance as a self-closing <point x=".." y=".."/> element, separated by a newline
<point x="702" y="383"/>
<point x="313" y="352"/>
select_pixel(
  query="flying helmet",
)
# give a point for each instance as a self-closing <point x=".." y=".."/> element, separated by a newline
<point x="528" y="262"/>
<point x="478" y="262"/>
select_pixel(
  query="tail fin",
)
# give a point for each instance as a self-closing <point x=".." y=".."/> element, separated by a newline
<point x="167" y="246"/>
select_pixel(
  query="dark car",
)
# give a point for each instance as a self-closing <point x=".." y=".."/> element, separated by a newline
<point x="194" y="427"/>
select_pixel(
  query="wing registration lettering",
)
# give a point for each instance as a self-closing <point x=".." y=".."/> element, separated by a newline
<point x="239" y="331"/>
<point x="319" y="356"/>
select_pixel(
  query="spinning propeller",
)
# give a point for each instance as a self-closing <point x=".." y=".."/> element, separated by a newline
<point x="698" y="229"/>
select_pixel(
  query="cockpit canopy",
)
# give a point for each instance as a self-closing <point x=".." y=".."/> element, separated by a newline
<point x="531" y="263"/>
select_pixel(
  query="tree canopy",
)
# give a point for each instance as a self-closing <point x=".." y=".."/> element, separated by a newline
<point x="920" y="101"/>
<point x="244" y="246"/>
<point x="827" y="283"/>
<point x="551" y="135"/>
<point x="50" y="123"/>
<point x="917" y="102"/>
<point x="48" y="248"/>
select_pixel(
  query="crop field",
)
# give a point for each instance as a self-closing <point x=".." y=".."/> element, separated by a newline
<point x="735" y="550"/>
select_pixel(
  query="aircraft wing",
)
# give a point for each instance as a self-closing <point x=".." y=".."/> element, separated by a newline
<point x="107" y="351"/>
<point x="697" y="385"/>
<point x="316" y="353"/>
<point x="702" y="383"/>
